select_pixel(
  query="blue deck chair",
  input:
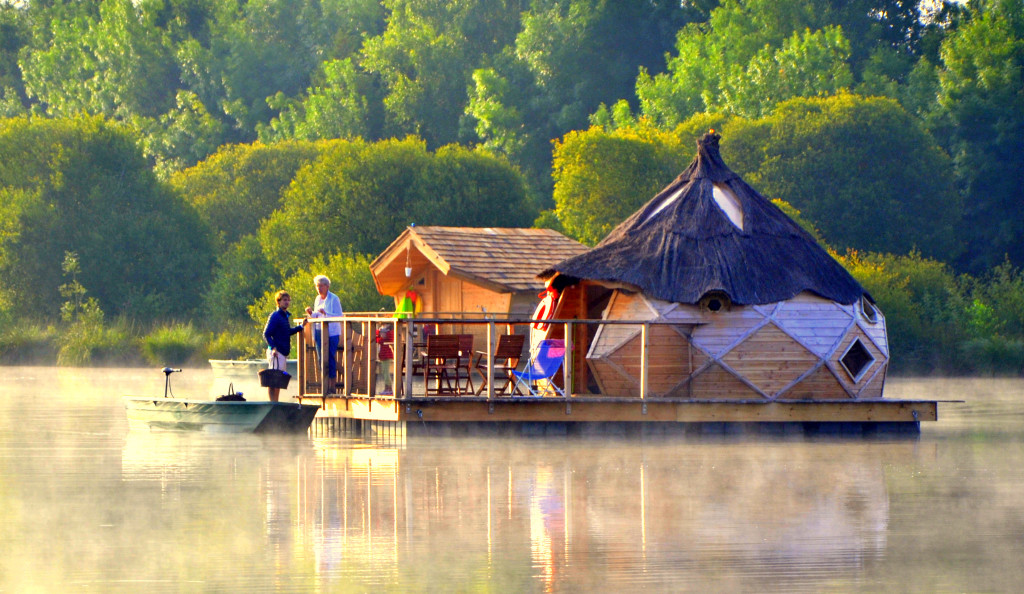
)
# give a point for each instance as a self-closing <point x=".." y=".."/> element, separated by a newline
<point x="543" y="366"/>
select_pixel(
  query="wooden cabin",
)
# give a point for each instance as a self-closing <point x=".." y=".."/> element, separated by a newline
<point x="739" y="302"/>
<point x="458" y="272"/>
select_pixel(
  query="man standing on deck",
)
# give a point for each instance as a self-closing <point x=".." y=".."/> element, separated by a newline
<point x="328" y="305"/>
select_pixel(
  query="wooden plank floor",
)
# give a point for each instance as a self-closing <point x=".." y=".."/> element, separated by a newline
<point x="456" y="409"/>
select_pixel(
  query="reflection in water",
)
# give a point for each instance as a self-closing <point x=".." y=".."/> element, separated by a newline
<point x="596" y="512"/>
<point x="86" y="504"/>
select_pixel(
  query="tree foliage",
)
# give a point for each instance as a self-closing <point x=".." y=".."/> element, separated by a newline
<point x="361" y="195"/>
<point x="350" y="278"/>
<point x="861" y="169"/>
<point x="81" y="185"/>
<point x="980" y="117"/>
<point x="602" y="177"/>
<point x="240" y="185"/>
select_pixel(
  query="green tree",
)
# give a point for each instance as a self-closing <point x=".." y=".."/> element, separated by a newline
<point x="752" y="54"/>
<point x="603" y="177"/>
<point x="82" y="185"/>
<point x="238" y="187"/>
<point x="112" y="62"/>
<point x="425" y="56"/>
<point x="981" y="121"/>
<point x="360" y="196"/>
<point x="861" y="169"/>
<point x="15" y="34"/>
<point x="924" y="307"/>
<point x="569" y="58"/>
<point x="350" y="278"/>
<point x="337" y="109"/>
<point x="241" y="275"/>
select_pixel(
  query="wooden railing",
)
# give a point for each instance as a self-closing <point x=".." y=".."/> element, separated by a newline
<point x="358" y="368"/>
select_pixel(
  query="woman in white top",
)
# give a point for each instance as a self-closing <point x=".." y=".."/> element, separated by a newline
<point x="328" y="305"/>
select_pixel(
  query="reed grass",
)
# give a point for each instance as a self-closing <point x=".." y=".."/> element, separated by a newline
<point x="174" y="344"/>
<point x="88" y="341"/>
<point x="242" y="342"/>
<point x="27" y="345"/>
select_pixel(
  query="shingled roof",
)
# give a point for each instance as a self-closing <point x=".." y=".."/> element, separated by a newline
<point x="501" y="259"/>
<point x="709" y="231"/>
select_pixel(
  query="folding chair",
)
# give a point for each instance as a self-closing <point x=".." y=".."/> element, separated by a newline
<point x="543" y="366"/>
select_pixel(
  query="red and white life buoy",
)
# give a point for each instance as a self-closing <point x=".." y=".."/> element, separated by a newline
<point x="545" y="309"/>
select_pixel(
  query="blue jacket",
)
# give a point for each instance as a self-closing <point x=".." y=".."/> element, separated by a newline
<point x="278" y="331"/>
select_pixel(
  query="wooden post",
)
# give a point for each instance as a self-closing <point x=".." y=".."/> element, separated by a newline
<point x="567" y="361"/>
<point x="371" y="359"/>
<point x="394" y="358"/>
<point x="323" y="357"/>
<point x="644" y="337"/>
<point x="300" y="360"/>
<point x="408" y="358"/>
<point x="344" y="359"/>
<point x="490" y="360"/>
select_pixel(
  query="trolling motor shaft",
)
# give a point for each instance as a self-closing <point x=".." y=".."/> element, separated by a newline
<point x="167" y="379"/>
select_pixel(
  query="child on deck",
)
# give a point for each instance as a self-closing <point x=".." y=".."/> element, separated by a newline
<point x="385" y="355"/>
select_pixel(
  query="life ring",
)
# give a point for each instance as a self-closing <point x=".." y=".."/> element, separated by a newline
<point x="545" y="309"/>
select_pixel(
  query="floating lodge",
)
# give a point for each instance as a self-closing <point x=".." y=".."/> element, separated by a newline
<point x="707" y="310"/>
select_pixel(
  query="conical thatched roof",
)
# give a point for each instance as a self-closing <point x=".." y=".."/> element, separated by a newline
<point x="710" y="231"/>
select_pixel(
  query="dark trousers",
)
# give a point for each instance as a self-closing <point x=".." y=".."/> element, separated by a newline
<point x="332" y="353"/>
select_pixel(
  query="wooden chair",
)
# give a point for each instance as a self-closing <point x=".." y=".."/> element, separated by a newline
<point x="506" y="360"/>
<point x="426" y="331"/>
<point x="441" y="362"/>
<point x="465" y="367"/>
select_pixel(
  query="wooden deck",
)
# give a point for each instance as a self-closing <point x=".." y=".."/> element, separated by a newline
<point x="358" y="400"/>
<point x="460" y="409"/>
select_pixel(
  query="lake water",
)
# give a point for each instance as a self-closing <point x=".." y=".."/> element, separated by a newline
<point x="87" y="506"/>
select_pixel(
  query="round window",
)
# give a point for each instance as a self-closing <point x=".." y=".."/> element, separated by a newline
<point x="715" y="302"/>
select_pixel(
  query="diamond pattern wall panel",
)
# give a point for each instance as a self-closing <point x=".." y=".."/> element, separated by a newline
<point x="818" y="325"/>
<point x="716" y="383"/>
<point x="770" y="359"/>
<point x="819" y="385"/>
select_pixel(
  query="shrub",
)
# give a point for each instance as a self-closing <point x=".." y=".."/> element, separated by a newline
<point x="174" y="344"/>
<point x="89" y="341"/>
<point x="993" y="355"/>
<point x="236" y="343"/>
<point x="20" y="345"/>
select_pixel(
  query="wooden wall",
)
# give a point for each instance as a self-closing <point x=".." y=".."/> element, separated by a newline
<point x="786" y="350"/>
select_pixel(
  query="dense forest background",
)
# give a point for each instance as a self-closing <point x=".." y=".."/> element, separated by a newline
<point x="166" y="165"/>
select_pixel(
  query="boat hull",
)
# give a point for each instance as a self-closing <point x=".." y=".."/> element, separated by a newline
<point x="174" y="414"/>
<point x="242" y="376"/>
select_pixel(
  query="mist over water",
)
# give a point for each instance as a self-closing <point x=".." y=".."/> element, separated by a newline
<point x="86" y="505"/>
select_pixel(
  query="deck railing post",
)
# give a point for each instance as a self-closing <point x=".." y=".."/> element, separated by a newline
<point x="490" y="360"/>
<point x="567" y="362"/>
<point x="371" y="358"/>
<point x="323" y="357"/>
<point x="347" y="391"/>
<point x="644" y="336"/>
<point x="408" y="358"/>
<point x="394" y="356"/>
<point x="300" y="360"/>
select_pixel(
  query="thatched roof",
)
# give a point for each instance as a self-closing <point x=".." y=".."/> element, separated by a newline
<point x="710" y="231"/>
<point x="504" y="260"/>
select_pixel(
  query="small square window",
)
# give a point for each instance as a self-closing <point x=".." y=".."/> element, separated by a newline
<point x="857" y="360"/>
